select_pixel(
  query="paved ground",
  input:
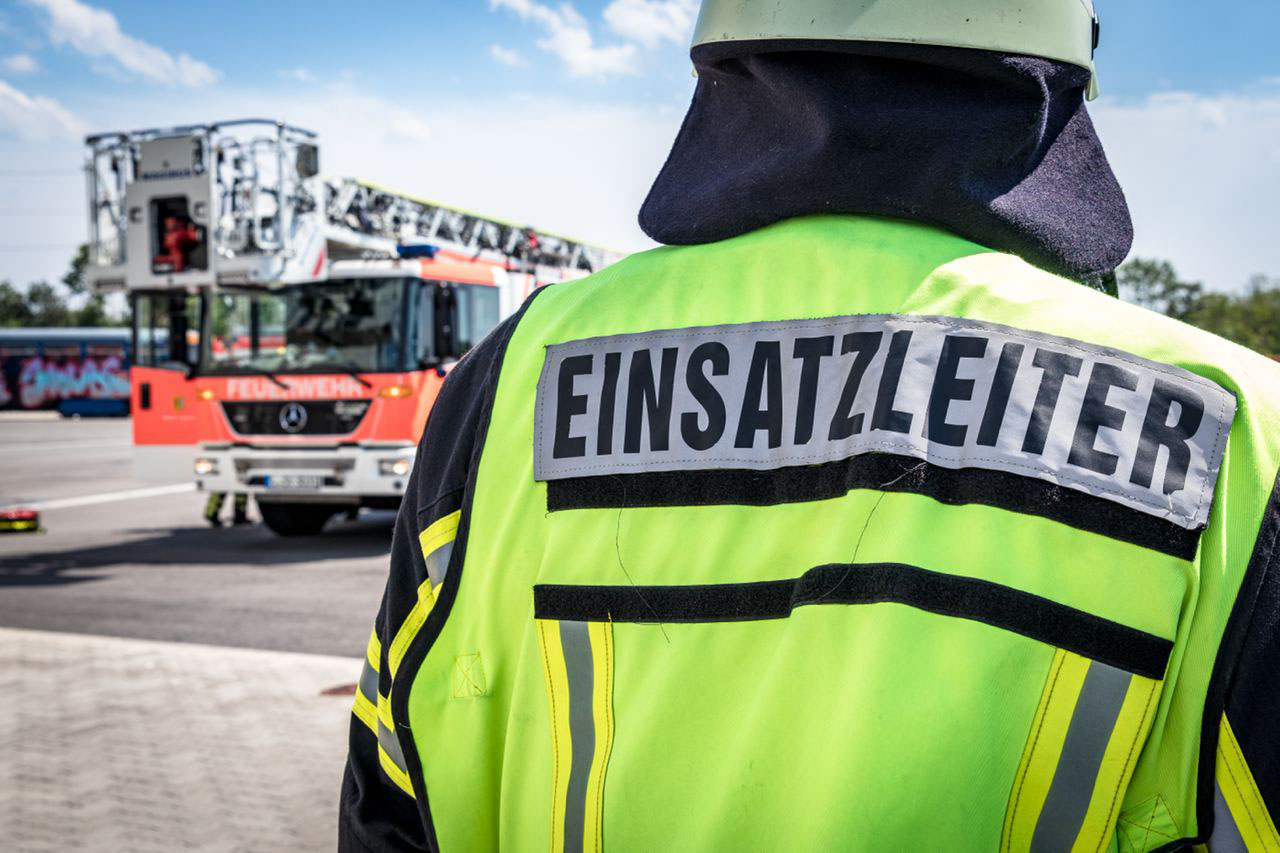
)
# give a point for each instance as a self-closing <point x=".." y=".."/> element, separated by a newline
<point x="205" y="731"/>
<point x="112" y="744"/>
<point x="150" y="567"/>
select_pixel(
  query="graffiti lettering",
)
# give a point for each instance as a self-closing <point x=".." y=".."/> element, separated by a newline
<point x="42" y="382"/>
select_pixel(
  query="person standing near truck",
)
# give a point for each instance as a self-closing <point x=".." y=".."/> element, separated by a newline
<point x="213" y="508"/>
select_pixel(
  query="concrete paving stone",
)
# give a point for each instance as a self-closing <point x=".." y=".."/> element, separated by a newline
<point x="123" y="744"/>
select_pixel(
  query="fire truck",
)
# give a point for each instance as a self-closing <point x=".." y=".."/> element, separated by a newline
<point x="291" y="332"/>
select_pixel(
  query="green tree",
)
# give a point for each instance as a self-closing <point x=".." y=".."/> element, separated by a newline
<point x="1155" y="284"/>
<point x="74" y="278"/>
<point x="94" y="312"/>
<point x="47" y="304"/>
<point x="1251" y="319"/>
<point x="14" y="310"/>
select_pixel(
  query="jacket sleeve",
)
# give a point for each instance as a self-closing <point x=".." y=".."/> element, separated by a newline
<point x="1247" y="773"/>
<point x="380" y="805"/>
<point x="1247" y="792"/>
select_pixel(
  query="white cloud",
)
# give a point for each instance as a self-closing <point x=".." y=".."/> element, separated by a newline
<point x="297" y="75"/>
<point x="1202" y="173"/>
<point x="403" y="126"/>
<point x="569" y="38"/>
<point x="1202" y="178"/>
<point x="578" y="167"/>
<point x="35" y="118"/>
<point x="96" y="33"/>
<point x="505" y="56"/>
<point x="20" y="63"/>
<point x="652" y="22"/>
<point x="574" y="167"/>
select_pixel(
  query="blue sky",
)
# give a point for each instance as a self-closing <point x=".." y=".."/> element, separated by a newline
<point x="559" y="114"/>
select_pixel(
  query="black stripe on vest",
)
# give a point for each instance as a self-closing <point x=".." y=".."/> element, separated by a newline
<point x="948" y="595"/>
<point x="882" y="472"/>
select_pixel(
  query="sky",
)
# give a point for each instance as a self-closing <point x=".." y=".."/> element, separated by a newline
<point x="559" y="114"/>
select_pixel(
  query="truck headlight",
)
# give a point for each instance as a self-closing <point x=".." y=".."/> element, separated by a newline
<point x="395" y="467"/>
<point x="205" y="467"/>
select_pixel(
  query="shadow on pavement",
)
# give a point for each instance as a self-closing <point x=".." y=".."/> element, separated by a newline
<point x="252" y="546"/>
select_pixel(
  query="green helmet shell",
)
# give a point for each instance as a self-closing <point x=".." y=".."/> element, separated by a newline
<point x="1064" y="30"/>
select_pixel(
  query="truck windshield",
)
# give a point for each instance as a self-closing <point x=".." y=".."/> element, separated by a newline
<point x="345" y="325"/>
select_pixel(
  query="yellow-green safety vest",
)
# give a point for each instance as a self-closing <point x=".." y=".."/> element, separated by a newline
<point x="844" y="534"/>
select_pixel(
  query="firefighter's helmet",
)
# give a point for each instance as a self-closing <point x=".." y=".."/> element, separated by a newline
<point x="1063" y="30"/>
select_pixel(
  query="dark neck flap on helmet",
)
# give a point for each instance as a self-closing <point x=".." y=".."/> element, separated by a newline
<point x="996" y="148"/>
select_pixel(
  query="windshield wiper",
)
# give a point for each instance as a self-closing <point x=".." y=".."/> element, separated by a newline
<point x="353" y="370"/>
<point x="276" y="379"/>
<point x="260" y="371"/>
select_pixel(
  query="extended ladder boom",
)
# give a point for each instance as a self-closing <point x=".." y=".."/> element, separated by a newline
<point x="241" y="203"/>
<point x="369" y="209"/>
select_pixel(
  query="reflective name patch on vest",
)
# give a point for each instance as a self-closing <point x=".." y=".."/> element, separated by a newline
<point x="955" y="393"/>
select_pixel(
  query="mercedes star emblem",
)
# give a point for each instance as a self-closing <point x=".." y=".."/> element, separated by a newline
<point x="293" y="417"/>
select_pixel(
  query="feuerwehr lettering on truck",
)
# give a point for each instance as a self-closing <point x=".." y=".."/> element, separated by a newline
<point x="297" y="388"/>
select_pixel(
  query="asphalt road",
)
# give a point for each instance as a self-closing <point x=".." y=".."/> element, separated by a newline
<point x="128" y="558"/>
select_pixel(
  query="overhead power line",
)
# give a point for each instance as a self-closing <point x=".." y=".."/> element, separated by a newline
<point x="37" y="173"/>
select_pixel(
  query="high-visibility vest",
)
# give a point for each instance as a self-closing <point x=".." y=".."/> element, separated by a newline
<point x="843" y="534"/>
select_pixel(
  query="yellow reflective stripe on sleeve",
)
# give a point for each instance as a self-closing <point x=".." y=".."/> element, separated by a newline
<point x="366" y="713"/>
<point x="1080" y="754"/>
<point x="1255" y="824"/>
<point x="371" y="707"/>
<point x="442" y="531"/>
<point x="412" y="623"/>
<point x="390" y="756"/>
<point x="373" y="652"/>
<point x="578" y="663"/>
<point x="374" y="710"/>
<point x="439" y="534"/>
<point x="365" y="704"/>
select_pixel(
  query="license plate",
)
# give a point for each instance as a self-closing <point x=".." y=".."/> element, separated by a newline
<point x="293" y="481"/>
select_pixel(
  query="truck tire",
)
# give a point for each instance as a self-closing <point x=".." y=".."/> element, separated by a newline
<point x="286" y="519"/>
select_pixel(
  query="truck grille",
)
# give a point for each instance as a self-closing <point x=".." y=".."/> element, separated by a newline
<point x="296" y="417"/>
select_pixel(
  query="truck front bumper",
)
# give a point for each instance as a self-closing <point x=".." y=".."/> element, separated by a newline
<point x="342" y="474"/>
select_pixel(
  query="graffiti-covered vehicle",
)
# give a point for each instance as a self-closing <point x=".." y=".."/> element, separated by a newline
<point x="75" y="371"/>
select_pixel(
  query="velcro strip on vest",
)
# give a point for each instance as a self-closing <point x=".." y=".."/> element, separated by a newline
<point x="956" y="394"/>
<point x="1000" y="606"/>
